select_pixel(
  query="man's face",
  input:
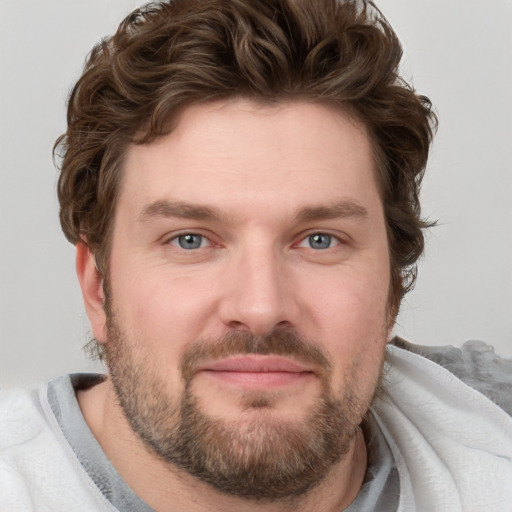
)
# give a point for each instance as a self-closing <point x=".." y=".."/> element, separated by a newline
<point x="249" y="279"/>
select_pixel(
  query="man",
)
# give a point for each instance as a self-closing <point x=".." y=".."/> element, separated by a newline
<point x="241" y="182"/>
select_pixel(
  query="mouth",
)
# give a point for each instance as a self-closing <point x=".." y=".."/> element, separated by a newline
<point x="256" y="371"/>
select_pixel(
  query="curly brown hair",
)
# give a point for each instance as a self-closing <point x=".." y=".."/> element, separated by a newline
<point x="166" y="55"/>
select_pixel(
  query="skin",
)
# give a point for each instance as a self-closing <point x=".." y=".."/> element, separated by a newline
<point x="257" y="167"/>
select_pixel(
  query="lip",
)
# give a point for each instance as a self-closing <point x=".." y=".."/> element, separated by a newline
<point x="256" y="370"/>
<point x="256" y="363"/>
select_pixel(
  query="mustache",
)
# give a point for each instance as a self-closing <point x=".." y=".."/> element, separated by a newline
<point x="279" y="342"/>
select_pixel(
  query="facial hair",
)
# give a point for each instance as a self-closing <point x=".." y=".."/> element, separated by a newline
<point x="264" y="458"/>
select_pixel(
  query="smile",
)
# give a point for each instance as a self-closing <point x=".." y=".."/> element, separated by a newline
<point x="256" y="371"/>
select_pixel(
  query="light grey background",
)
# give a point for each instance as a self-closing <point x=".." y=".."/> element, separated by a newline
<point x="459" y="53"/>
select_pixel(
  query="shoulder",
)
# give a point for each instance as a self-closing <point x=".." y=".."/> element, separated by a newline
<point x="38" y="469"/>
<point x="21" y="416"/>
<point x="22" y="425"/>
<point x="475" y="363"/>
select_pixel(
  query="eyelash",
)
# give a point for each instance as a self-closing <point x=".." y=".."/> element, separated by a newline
<point x="175" y="240"/>
<point x="332" y="238"/>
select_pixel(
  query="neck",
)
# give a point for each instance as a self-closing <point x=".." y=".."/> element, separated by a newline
<point x="165" y="487"/>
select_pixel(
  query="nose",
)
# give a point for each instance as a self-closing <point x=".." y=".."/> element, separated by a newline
<point x="259" y="293"/>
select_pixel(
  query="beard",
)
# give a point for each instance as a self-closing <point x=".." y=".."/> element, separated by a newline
<point x="257" y="456"/>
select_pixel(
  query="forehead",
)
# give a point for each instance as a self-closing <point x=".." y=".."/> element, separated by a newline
<point x="234" y="154"/>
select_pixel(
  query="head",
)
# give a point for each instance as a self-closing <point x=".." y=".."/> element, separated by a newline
<point x="166" y="56"/>
<point x="267" y="87"/>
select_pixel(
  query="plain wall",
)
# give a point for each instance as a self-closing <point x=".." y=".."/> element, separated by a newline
<point x="459" y="53"/>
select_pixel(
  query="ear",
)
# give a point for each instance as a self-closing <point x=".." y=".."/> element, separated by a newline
<point x="91" y="283"/>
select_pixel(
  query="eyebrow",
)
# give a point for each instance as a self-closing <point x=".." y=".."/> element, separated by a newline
<point x="165" y="209"/>
<point x="343" y="209"/>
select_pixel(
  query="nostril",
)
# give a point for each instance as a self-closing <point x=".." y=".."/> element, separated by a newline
<point x="238" y="326"/>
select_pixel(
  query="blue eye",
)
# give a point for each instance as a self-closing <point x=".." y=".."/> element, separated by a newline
<point x="189" y="241"/>
<point x="320" y="241"/>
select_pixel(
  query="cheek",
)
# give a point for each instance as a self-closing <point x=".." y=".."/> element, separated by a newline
<point x="159" y="308"/>
<point x="353" y="317"/>
<point x="352" y="300"/>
